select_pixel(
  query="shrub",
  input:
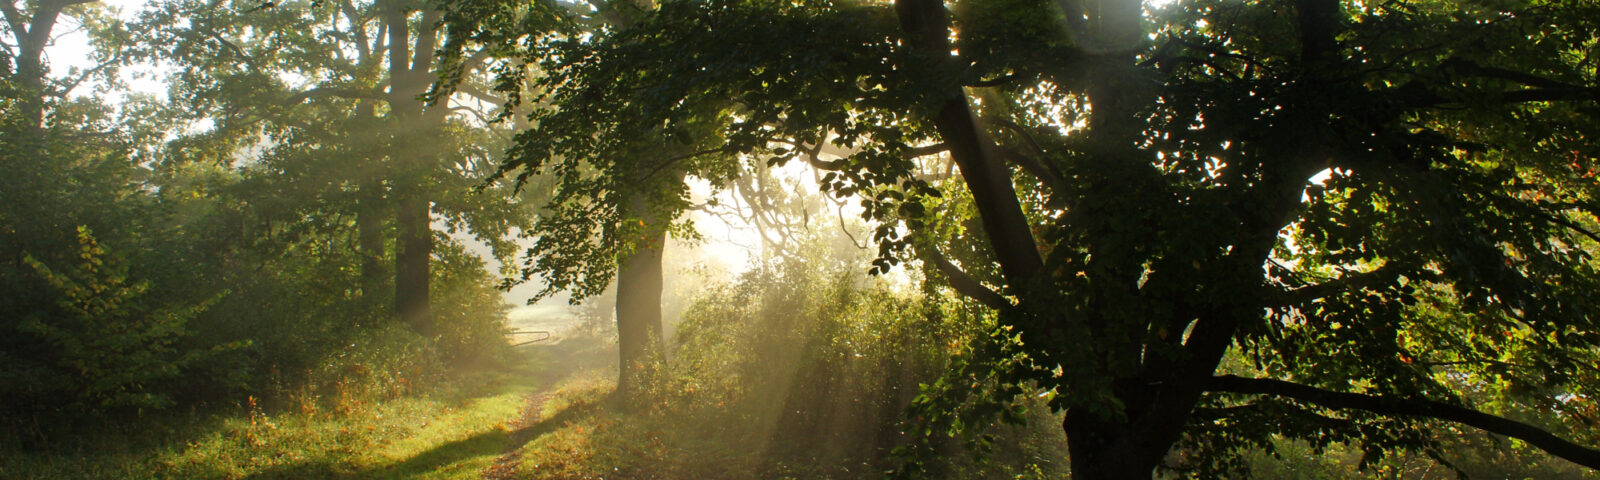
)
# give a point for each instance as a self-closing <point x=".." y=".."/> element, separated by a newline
<point x="103" y="345"/>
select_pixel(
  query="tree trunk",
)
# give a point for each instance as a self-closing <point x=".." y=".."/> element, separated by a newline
<point x="639" y="286"/>
<point x="411" y="263"/>
<point x="1102" y="450"/>
<point x="410" y="73"/>
<point x="369" y="241"/>
<point x="31" y="36"/>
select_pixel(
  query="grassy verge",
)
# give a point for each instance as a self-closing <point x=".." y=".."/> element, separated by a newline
<point x="451" y="431"/>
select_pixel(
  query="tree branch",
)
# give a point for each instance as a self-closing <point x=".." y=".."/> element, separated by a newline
<point x="1343" y="283"/>
<point x="1472" y="68"/>
<point x="924" y="25"/>
<point x="475" y="61"/>
<point x="481" y="94"/>
<point x="90" y="72"/>
<point x="965" y="284"/>
<point x="1416" y="95"/>
<point x="19" y="26"/>
<point x="473" y="111"/>
<point x="925" y="150"/>
<point x="1535" y="436"/>
<point x="995" y="82"/>
<point x="427" y="38"/>
<point x="358" y="31"/>
<point x="674" y="160"/>
<point x="336" y="92"/>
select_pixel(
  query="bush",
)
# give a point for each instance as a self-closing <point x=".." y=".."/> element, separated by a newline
<point x="103" y="345"/>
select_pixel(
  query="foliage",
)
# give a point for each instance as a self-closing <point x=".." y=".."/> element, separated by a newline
<point x="1367" y="201"/>
<point x="104" y="345"/>
<point x="232" y="250"/>
<point x="789" y="372"/>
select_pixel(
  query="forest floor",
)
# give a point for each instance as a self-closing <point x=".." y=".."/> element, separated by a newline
<point x="468" y="430"/>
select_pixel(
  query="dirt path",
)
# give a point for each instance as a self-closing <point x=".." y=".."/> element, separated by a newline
<point x="565" y="358"/>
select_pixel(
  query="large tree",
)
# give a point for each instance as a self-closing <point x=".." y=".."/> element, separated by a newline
<point x="29" y="26"/>
<point x="333" y="95"/>
<point x="1369" y="202"/>
<point x="615" y="195"/>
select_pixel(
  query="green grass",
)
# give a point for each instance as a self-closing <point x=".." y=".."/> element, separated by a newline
<point x="454" y="431"/>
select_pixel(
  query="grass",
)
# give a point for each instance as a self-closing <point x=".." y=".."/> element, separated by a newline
<point x="453" y="431"/>
<point x="582" y="432"/>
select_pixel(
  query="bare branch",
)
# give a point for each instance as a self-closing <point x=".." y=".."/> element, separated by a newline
<point x="475" y="113"/>
<point x="1412" y="407"/>
<point x="839" y="207"/>
<point x="476" y="61"/>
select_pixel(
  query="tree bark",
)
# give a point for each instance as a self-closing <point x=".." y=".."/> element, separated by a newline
<point x="639" y="286"/>
<point x="411" y="282"/>
<point x="409" y="77"/>
<point x="32" y="34"/>
<point x="926" y="26"/>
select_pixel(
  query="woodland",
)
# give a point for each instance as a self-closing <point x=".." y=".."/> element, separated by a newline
<point x="800" y="239"/>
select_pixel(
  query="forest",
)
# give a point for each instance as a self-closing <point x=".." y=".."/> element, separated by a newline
<point x="799" y="239"/>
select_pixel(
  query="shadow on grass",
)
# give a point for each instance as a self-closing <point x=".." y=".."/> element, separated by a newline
<point x="522" y="436"/>
<point x="430" y="464"/>
<point x="489" y="443"/>
<point x="307" y="470"/>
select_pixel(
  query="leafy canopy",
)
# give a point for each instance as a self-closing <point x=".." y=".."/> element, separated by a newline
<point x="1380" y="206"/>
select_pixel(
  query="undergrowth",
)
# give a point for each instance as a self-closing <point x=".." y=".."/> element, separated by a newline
<point x="786" y="373"/>
<point x="353" y="423"/>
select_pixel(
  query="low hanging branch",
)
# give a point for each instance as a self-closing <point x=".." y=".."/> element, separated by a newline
<point x="1535" y="436"/>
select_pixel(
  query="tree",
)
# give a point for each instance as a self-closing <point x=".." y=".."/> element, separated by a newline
<point x="617" y="194"/>
<point x="30" y="29"/>
<point x="86" y="328"/>
<point x="1147" y="193"/>
<point x="333" y="93"/>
